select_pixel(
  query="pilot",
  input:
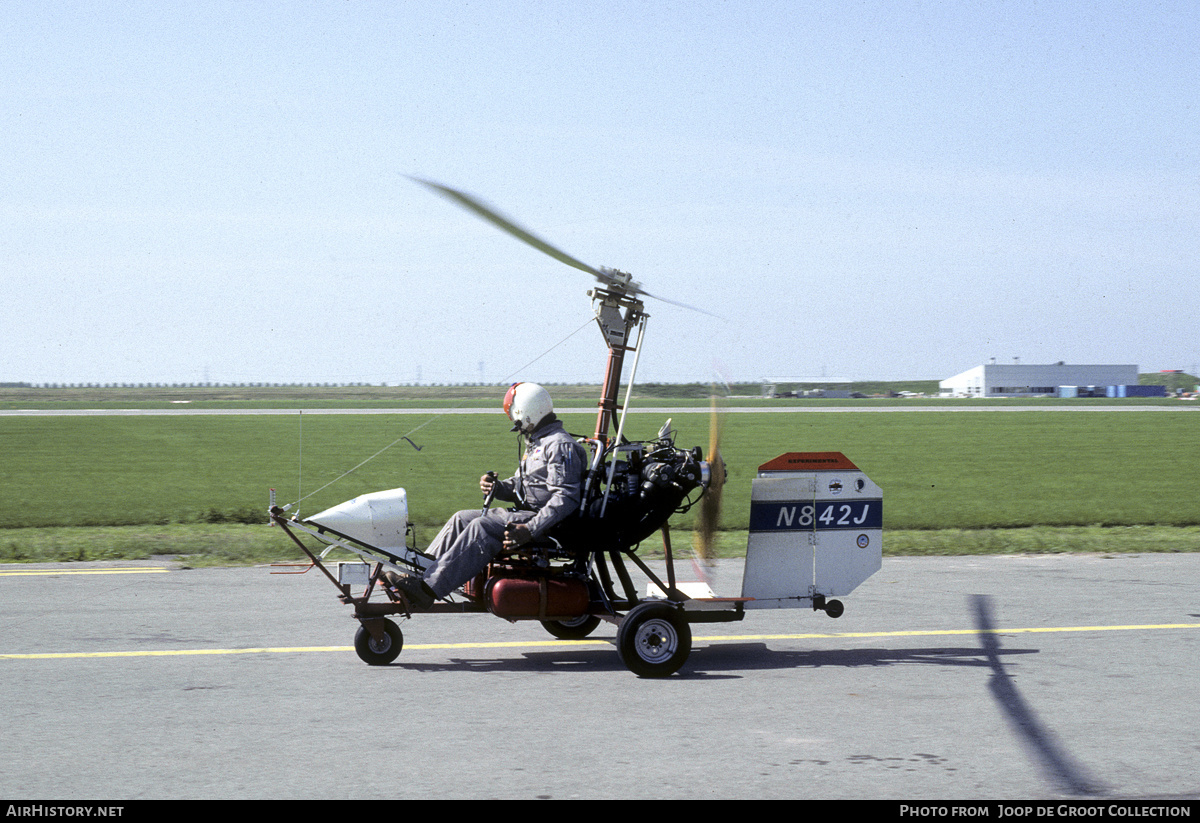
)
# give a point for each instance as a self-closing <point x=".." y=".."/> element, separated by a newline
<point x="546" y="489"/>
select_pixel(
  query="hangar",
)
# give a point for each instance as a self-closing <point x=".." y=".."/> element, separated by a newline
<point x="1018" y="380"/>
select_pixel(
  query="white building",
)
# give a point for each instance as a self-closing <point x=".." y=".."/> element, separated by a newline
<point x="1017" y="380"/>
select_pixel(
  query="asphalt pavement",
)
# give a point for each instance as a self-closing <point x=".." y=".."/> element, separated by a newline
<point x="983" y="678"/>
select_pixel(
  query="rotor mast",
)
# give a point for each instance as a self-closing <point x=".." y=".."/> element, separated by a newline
<point x="618" y="313"/>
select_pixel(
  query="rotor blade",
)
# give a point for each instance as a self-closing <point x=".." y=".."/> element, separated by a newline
<point x="677" y="303"/>
<point x="623" y="285"/>
<point x="488" y="214"/>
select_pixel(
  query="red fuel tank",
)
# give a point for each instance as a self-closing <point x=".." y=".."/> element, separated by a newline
<point x="537" y="598"/>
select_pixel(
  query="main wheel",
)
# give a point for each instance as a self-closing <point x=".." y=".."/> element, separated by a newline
<point x="576" y="629"/>
<point x="654" y="640"/>
<point x="379" y="652"/>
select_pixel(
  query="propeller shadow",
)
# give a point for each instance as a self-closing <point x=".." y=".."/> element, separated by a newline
<point x="1056" y="762"/>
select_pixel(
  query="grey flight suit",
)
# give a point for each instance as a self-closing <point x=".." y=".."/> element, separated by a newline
<point x="547" y="488"/>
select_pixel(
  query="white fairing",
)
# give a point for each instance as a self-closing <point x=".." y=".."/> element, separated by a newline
<point x="378" y="519"/>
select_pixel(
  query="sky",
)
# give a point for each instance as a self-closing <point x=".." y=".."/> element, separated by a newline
<point x="893" y="190"/>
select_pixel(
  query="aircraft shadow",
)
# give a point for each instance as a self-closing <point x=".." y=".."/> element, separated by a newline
<point x="721" y="660"/>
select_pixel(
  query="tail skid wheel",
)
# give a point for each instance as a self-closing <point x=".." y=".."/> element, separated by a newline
<point x="379" y="652"/>
<point x="654" y="640"/>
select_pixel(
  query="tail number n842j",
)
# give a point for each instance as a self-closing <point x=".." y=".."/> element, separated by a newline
<point x="795" y="515"/>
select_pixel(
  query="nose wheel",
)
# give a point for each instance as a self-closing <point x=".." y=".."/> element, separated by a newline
<point x="654" y="640"/>
<point x="381" y="650"/>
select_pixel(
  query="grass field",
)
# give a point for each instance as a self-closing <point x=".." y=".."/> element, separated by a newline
<point x="950" y="479"/>
<point x="214" y="544"/>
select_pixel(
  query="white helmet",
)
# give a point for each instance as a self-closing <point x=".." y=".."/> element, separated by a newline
<point x="527" y="405"/>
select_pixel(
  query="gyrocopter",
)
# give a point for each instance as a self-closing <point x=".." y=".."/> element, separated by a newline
<point x="815" y="529"/>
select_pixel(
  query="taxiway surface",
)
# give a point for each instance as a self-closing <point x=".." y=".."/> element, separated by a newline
<point x="947" y="678"/>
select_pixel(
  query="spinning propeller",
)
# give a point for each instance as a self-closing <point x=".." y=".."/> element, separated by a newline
<point x="709" y="517"/>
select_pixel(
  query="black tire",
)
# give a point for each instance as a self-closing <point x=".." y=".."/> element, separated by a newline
<point x="654" y="640"/>
<point x="576" y="629"/>
<point x="834" y="608"/>
<point x="379" y="653"/>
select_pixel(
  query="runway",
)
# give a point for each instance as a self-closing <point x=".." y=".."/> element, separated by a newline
<point x="1012" y="677"/>
<point x="651" y="410"/>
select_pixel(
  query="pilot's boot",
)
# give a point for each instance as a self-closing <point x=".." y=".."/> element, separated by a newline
<point x="419" y="596"/>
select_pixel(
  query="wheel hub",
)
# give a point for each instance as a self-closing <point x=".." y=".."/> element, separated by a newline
<point x="656" y="640"/>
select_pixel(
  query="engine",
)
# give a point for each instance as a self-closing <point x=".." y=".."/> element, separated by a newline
<point x="650" y="482"/>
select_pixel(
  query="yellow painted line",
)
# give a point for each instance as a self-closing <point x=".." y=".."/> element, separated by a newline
<point x="173" y="653"/>
<point x="288" y="650"/>
<point x="939" y="632"/>
<point x="519" y="644"/>
<point x="55" y="572"/>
